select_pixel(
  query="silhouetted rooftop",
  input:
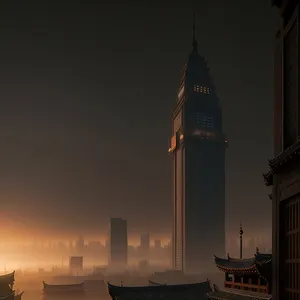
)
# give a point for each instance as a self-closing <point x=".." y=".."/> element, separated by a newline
<point x="7" y="279"/>
<point x="63" y="288"/>
<point x="195" y="291"/>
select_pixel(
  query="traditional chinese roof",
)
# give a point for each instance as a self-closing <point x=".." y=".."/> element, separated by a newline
<point x="7" y="279"/>
<point x="263" y="258"/>
<point x="196" y="291"/>
<point x="264" y="266"/>
<point x="235" y="294"/>
<point x="236" y="265"/>
<point x="63" y="288"/>
<point x="268" y="178"/>
<point x="288" y="155"/>
<point x="256" y="264"/>
<point x="155" y="283"/>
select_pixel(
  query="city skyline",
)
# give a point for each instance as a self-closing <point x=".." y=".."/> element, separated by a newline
<point x="65" y="117"/>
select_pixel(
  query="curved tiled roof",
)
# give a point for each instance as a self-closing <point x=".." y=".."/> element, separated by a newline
<point x="63" y="288"/>
<point x="234" y="294"/>
<point x="7" y="279"/>
<point x="263" y="257"/>
<point x="236" y="265"/>
<point x="286" y="156"/>
<point x="264" y="266"/>
<point x="196" y="291"/>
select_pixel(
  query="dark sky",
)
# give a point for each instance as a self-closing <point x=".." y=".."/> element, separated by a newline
<point x="87" y="92"/>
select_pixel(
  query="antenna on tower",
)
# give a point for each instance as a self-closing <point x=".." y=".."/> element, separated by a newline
<point x="241" y="240"/>
<point x="195" y="44"/>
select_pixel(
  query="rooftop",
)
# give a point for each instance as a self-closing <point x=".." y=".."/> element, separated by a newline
<point x="63" y="288"/>
<point x="196" y="291"/>
<point x="7" y="279"/>
<point x="245" y="265"/>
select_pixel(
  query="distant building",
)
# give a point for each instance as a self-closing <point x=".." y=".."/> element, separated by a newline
<point x="76" y="264"/>
<point x="157" y="244"/>
<point x="284" y="173"/>
<point x="198" y="151"/>
<point x="118" y="243"/>
<point x="80" y="245"/>
<point x="143" y="266"/>
<point x="71" y="246"/>
<point x="95" y="246"/>
<point x="145" y="245"/>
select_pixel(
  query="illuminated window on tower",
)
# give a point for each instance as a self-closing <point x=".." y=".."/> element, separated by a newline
<point x="204" y="121"/>
<point x="201" y="89"/>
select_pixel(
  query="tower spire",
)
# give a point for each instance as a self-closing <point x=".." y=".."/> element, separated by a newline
<point x="241" y="240"/>
<point x="195" y="44"/>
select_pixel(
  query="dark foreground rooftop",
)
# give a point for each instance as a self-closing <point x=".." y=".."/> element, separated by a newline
<point x="196" y="291"/>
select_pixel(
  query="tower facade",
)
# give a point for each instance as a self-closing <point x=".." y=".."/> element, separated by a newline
<point x="198" y="150"/>
<point x="118" y="243"/>
<point x="145" y="245"/>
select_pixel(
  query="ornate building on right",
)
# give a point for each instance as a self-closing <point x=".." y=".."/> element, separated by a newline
<point x="284" y="173"/>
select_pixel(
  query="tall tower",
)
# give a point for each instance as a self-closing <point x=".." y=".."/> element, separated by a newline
<point x="118" y="243"/>
<point x="198" y="150"/>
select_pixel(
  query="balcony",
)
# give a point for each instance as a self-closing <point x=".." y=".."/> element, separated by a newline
<point x="247" y="286"/>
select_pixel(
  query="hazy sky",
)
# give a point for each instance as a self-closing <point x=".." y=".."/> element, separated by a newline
<point x="87" y="92"/>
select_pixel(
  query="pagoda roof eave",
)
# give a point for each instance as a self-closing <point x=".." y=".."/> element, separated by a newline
<point x="246" y="265"/>
<point x="288" y="155"/>
<point x="268" y="178"/>
<point x="235" y="265"/>
<point x="7" y="275"/>
<point x="7" y="278"/>
<point x="251" y="269"/>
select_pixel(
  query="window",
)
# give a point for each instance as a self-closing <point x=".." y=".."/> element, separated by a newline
<point x="201" y="89"/>
<point x="204" y="120"/>
<point x="289" y="248"/>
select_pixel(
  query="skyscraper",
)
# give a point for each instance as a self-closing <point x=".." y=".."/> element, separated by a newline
<point x="118" y="242"/>
<point x="284" y="173"/>
<point x="80" y="247"/>
<point x="145" y="245"/>
<point x="198" y="150"/>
